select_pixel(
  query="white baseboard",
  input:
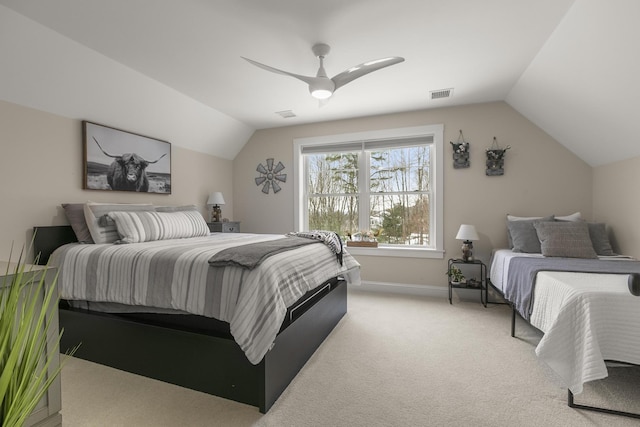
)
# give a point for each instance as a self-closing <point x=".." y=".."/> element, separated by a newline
<point x="402" y="288"/>
<point x="419" y="290"/>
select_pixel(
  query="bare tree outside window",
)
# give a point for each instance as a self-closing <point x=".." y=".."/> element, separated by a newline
<point x="396" y="192"/>
<point x="332" y="188"/>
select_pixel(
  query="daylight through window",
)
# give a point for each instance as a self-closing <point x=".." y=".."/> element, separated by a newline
<point x="384" y="185"/>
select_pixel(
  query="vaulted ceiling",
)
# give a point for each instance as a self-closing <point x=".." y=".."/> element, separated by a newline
<point x="569" y="66"/>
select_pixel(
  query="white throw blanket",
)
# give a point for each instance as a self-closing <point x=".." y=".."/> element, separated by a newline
<point x="586" y="319"/>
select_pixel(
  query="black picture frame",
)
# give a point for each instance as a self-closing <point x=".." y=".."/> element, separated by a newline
<point x="117" y="160"/>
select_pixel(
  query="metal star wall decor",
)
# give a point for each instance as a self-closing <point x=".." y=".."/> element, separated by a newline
<point x="269" y="175"/>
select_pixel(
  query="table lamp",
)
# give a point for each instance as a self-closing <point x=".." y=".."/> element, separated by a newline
<point x="216" y="200"/>
<point x="468" y="234"/>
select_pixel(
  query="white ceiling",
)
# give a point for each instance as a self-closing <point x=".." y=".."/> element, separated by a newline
<point x="570" y="66"/>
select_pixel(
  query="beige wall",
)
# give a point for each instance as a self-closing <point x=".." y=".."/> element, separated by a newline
<point x="41" y="158"/>
<point x="616" y="203"/>
<point x="541" y="178"/>
<point x="41" y="167"/>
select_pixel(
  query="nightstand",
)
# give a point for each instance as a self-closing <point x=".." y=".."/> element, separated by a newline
<point x="224" y="227"/>
<point x="478" y="285"/>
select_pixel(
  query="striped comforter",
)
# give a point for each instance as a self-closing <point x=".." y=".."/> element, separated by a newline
<point x="175" y="274"/>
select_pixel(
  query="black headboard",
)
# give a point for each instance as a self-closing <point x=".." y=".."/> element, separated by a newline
<point x="47" y="239"/>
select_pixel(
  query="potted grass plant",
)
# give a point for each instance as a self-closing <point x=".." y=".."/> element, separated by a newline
<point x="26" y="302"/>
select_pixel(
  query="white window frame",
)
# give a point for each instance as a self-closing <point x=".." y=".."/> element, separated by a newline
<point x="437" y="226"/>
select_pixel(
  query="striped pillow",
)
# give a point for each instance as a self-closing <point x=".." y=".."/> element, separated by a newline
<point x="106" y="232"/>
<point x="136" y="227"/>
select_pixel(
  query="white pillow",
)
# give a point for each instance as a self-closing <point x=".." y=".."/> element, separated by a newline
<point x="107" y="232"/>
<point x="176" y="208"/>
<point x="573" y="217"/>
<point x="136" y="227"/>
<point x="522" y="218"/>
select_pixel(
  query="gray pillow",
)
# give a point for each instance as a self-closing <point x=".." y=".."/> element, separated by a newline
<point x="565" y="239"/>
<point x="75" y="215"/>
<point x="522" y="235"/>
<point x="600" y="239"/>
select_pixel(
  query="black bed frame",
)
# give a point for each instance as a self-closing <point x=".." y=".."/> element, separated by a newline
<point x="203" y="360"/>
<point x="570" y="396"/>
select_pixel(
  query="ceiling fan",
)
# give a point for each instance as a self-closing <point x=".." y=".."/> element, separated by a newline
<point x="321" y="86"/>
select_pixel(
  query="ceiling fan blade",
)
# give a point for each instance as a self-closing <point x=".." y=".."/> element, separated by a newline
<point x="306" y="79"/>
<point x="365" y="68"/>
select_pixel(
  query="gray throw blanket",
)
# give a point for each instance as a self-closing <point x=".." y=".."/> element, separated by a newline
<point x="522" y="275"/>
<point x="251" y="255"/>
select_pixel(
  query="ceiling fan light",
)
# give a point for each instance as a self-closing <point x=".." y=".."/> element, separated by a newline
<point x="321" y="93"/>
<point x="321" y="88"/>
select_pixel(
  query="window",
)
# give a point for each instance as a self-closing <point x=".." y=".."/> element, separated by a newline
<point x="389" y="182"/>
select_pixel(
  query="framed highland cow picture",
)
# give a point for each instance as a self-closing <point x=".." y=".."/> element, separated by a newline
<point x="116" y="160"/>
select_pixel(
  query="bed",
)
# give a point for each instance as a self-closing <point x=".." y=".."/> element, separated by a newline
<point x="579" y="296"/>
<point x="159" y="329"/>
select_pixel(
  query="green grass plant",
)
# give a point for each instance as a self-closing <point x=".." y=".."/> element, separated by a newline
<point x="26" y="306"/>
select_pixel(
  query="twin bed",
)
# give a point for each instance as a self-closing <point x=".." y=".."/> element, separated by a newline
<point x="169" y="309"/>
<point x="576" y="291"/>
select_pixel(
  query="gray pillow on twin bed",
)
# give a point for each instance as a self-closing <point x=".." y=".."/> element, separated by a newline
<point x="565" y="239"/>
<point x="523" y="235"/>
<point x="600" y="239"/>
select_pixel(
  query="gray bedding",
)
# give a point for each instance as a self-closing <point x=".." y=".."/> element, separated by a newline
<point x="176" y="275"/>
<point x="251" y="255"/>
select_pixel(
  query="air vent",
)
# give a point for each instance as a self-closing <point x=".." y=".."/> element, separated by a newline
<point x="441" y="93"/>
<point x="286" y="114"/>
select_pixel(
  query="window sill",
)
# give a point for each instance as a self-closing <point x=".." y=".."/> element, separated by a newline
<point x="400" y="252"/>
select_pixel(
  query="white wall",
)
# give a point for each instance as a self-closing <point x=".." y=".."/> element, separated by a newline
<point x="541" y="178"/>
<point x="41" y="167"/>
<point x="44" y="70"/>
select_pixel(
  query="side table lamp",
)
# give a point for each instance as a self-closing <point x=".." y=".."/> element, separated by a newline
<point x="216" y="200"/>
<point x="467" y="233"/>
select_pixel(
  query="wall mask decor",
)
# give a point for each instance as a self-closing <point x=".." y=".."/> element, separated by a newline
<point x="460" y="153"/>
<point x="270" y="176"/>
<point x="495" y="158"/>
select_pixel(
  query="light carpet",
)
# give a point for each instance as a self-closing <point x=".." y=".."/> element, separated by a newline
<point x="394" y="360"/>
